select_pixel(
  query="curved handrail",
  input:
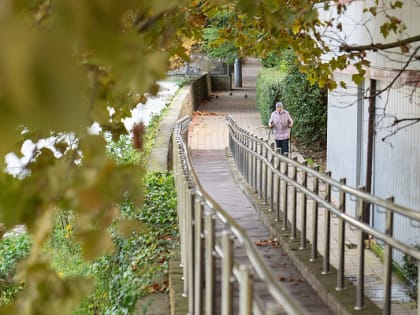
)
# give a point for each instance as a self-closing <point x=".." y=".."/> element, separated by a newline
<point x="275" y="288"/>
<point x="388" y="205"/>
<point x="249" y="150"/>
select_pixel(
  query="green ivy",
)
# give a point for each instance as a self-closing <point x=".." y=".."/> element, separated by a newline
<point x="13" y="249"/>
<point x="126" y="275"/>
<point x="410" y="270"/>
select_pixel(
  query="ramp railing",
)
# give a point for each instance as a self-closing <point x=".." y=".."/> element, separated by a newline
<point x="279" y="181"/>
<point x="209" y="237"/>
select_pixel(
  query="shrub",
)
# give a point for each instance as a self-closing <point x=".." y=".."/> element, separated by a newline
<point x="268" y="92"/>
<point x="410" y="269"/>
<point x="306" y="103"/>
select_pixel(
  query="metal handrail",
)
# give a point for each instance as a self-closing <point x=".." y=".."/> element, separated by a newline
<point x="248" y="147"/>
<point x="187" y="183"/>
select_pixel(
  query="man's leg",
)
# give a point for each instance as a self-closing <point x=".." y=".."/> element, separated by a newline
<point x="284" y="146"/>
<point x="278" y="145"/>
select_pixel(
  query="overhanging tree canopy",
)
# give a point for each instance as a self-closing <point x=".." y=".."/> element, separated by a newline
<point x="63" y="63"/>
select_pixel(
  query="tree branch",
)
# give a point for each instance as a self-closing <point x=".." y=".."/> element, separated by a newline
<point x="399" y="72"/>
<point x="380" y="46"/>
<point x="397" y="121"/>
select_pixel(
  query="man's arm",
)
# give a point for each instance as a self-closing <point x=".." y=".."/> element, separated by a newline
<point x="270" y="122"/>
<point x="290" y="121"/>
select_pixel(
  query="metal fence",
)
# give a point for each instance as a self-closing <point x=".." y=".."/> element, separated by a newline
<point x="207" y="236"/>
<point x="279" y="181"/>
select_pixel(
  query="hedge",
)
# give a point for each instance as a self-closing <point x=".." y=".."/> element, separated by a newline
<point x="268" y="91"/>
<point x="306" y="103"/>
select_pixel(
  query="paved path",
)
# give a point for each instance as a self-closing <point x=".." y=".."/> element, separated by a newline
<point x="213" y="171"/>
<point x="207" y="141"/>
<point x="208" y="138"/>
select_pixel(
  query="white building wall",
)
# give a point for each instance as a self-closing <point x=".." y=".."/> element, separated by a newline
<point x="396" y="161"/>
<point x="346" y="126"/>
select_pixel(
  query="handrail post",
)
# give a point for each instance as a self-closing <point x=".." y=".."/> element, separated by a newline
<point x="285" y="196"/>
<point x="210" y="264"/>
<point x="341" y="238"/>
<point x="304" y="208"/>
<point x="227" y="266"/>
<point x="294" y="200"/>
<point x="245" y="293"/>
<point x="327" y="228"/>
<point x="260" y="164"/>
<point x="314" y="248"/>
<point x="265" y="176"/>
<point x="272" y="161"/>
<point x="360" y="286"/>
<point x="388" y="261"/>
<point x="198" y="261"/>
<point x="191" y="254"/>
<point x="278" y="192"/>
<point x="255" y="166"/>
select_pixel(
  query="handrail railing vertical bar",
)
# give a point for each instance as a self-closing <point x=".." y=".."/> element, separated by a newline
<point x="341" y="237"/>
<point x="278" y="191"/>
<point x="273" y="309"/>
<point x="294" y="205"/>
<point x="198" y="261"/>
<point x="260" y="164"/>
<point x="244" y="156"/>
<point x="245" y="291"/>
<point x="265" y="176"/>
<point x="360" y="285"/>
<point x="240" y="155"/>
<point x="285" y="196"/>
<point x="255" y="167"/>
<point x="388" y="262"/>
<point x="304" y="208"/>
<point x="272" y="161"/>
<point x="227" y="267"/>
<point x="191" y="254"/>
<point x="418" y="286"/>
<point x="249" y="159"/>
<point x="210" y="265"/>
<point x="184" y="254"/>
<point x="327" y="228"/>
<point x="314" y="248"/>
<point x="251" y="169"/>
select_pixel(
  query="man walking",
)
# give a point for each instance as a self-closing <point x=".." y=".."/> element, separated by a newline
<point x="281" y="121"/>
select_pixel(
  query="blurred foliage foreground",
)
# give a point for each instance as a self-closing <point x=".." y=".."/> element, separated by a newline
<point x="67" y="64"/>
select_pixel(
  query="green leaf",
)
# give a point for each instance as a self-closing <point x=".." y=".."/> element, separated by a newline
<point x="127" y="226"/>
<point x="357" y="78"/>
<point x="385" y="28"/>
<point x="46" y="294"/>
<point x="397" y="4"/>
<point x="95" y="243"/>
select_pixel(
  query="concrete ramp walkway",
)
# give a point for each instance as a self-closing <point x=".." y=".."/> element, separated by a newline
<point x="208" y="140"/>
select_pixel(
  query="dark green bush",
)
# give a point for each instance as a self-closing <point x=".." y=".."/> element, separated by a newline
<point x="269" y="91"/>
<point x="308" y="106"/>
<point x="306" y="103"/>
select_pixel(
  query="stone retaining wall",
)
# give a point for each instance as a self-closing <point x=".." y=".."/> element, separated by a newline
<point x="184" y="103"/>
